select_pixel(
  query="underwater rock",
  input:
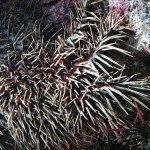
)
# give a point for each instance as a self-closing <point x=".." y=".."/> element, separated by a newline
<point x="140" y="18"/>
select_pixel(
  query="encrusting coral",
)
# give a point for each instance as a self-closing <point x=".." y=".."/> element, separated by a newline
<point x="61" y="91"/>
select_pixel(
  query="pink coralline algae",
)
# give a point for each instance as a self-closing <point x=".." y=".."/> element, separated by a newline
<point x="58" y="9"/>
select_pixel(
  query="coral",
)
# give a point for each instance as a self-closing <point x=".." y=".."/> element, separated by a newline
<point x="70" y="91"/>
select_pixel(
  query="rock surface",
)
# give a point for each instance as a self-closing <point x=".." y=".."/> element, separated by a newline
<point x="140" y="18"/>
